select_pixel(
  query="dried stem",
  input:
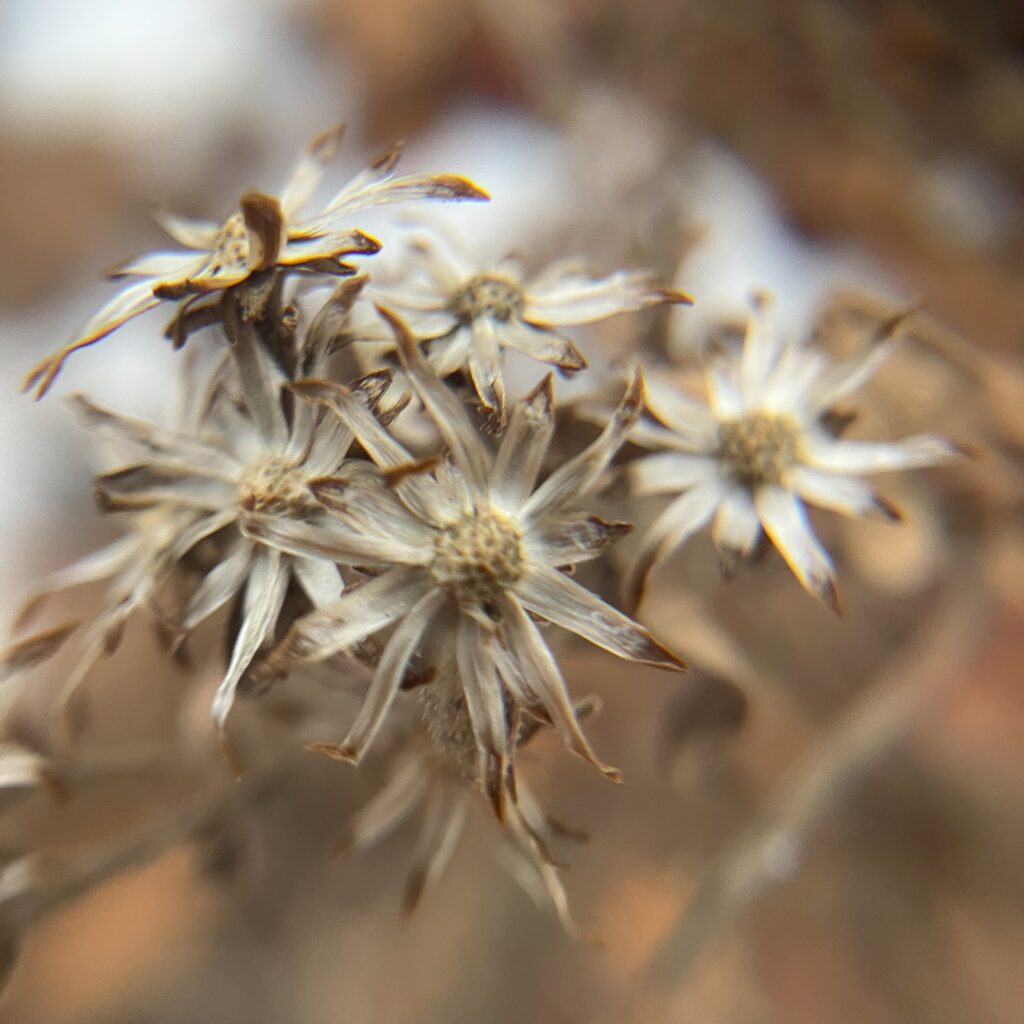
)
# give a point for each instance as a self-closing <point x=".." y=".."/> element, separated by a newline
<point x="770" y="852"/>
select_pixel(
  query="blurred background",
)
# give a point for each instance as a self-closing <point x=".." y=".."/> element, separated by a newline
<point x="823" y="822"/>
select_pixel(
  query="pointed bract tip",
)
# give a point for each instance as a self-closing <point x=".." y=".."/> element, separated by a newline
<point x="230" y="753"/>
<point x="264" y="222"/>
<point x="543" y="395"/>
<point x="335" y="751"/>
<point x="385" y="162"/>
<point x="313" y="390"/>
<point x="324" y="147"/>
<point x="728" y="560"/>
<point x="415" y="887"/>
<point x="892" y="324"/>
<point x="362" y="245"/>
<point x="635" y="586"/>
<point x="662" y="657"/>
<point x="827" y="591"/>
<point x="347" y="291"/>
<point x="408" y="353"/>
<point x="25" y="654"/>
<point x="42" y="376"/>
<point x="891" y="511"/>
<point x="672" y="296"/>
<point x="571" y="360"/>
<point x="455" y="186"/>
<point x="964" y="449"/>
<point x="394" y="475"/>
<point x="634" y="399"/>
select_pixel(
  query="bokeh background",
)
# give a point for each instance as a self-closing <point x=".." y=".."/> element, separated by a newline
<point x="823" y="822"/>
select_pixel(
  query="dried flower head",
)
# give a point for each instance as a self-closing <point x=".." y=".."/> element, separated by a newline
<point x="434" y="771"/>
<point x="471" y="314"/>
<point x="246" y="454"/>
<point x="465" y="552"/>
<point x="134" y="567"/>
<point x="761" y="448"/>
<point x="265" y="232"/>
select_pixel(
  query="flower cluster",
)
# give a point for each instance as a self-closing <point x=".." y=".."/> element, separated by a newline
<point x="287" y="496"/>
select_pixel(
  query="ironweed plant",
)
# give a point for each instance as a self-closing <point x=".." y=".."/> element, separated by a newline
<point x="357" y="494"/>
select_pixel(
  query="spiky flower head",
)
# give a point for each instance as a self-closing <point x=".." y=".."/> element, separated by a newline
<point x="470" y="313"/>
<point x="466" y="552"/>
<point x="264" y="233"/>
<point x="433" y="773"/>
<point x="761" y="447"/>
<point x="248" y="452"/>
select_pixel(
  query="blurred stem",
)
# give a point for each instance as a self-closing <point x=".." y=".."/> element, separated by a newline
<point x="770" y="851"/>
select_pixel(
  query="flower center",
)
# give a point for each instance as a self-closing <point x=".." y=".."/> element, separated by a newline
<point x="276" y="487"/>
<point x="487" y="295"/>
<point x="478" y="557"/>
<point x="231" y="246"/>
<point x="759" y="448"/>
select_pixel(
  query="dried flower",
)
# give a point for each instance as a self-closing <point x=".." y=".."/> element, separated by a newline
<point x="469" y="314"/>
<point x="761" y="448"/>
<point x="245" y="455"/>
<point x="434" y="770"/>
<point x="465" y="551"/>
<point x="266" y="231"/>
<point x="135" y="567"/>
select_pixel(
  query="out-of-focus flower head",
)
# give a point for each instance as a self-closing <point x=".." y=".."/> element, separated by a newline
<point x="762" y="446"/>
<point x="434" y="771"/>
<point x="245" y="454"/>
<point x="470" y="313"/>
<point x="266" y="232"/>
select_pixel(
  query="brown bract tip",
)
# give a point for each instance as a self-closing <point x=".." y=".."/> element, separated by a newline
<point x="672" y="295"/>
<point x="41" y="376"/>
<point x="661" y="657"/>
<point x="29" y="652"/>
<point x="264" y="220"/>
<point x="345" y="294"/>
<point x="385" y="163"/>
<point x="634" y="400"/>
<point x="572" y="360"/>
<point x="312" y="390"/>
<point x="827" y="590"/>
<point x="542" y="397"/>
<point x="888" y="509"/>
<point x="455" y="186"/>
<point x="888" y="327"/>
<point x="408" y="351"/>
<point x="335" y="751"/>
<point x="324" y="147"/>
<point x="232" y="757"/>
<point x="363" y="244"/>
<point x="331" y="491"/>
<point x="372" y="387"/>
<point x="394" y="475"/>
<point x="415" y="886"/>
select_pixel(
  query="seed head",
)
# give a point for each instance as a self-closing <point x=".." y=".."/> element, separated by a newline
<point x="488" y="295"/>
<point x="478" y="557"/>
<point x="758" y="449"/>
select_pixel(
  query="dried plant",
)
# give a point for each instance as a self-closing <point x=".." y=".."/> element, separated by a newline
<point x="288" y="508"/>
